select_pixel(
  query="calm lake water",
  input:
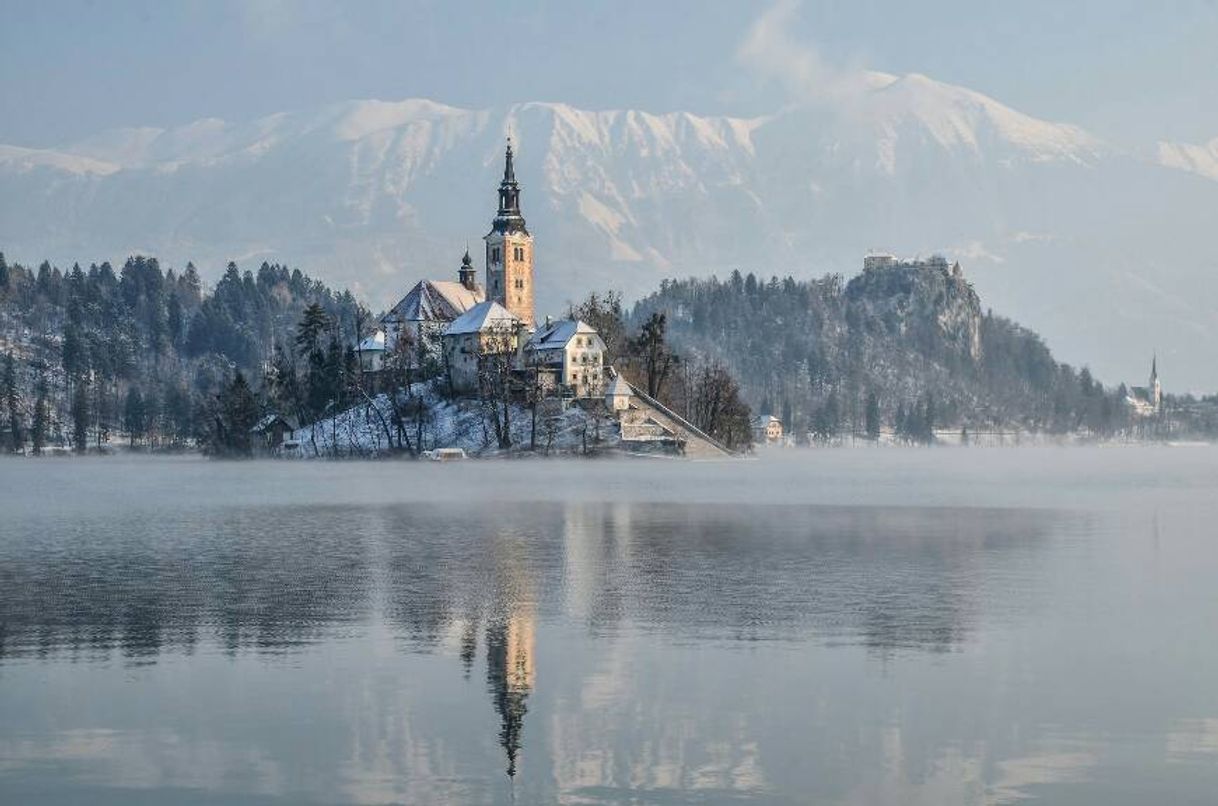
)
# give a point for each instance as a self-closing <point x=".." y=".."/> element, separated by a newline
<point x="954" y="626"/>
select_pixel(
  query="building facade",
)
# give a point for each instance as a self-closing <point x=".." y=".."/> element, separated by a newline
<point x="486" y="332"/>
<point x="569" y="357"/>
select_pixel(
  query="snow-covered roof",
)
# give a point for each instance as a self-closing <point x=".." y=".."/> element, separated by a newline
<point x="374" y="343"/>
<point x="619" y="388"/>
<point x="764" y="420"/>
<point x="435" y="301"/>
<point x="483" y="316"/>
<point x="269" y="420"/>
<point x="555" y="335"/>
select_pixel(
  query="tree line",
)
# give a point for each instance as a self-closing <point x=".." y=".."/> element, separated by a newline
<point x="907" y="351"/>
<point x="148" y="352"/>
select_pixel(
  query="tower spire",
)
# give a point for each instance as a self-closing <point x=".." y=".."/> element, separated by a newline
<point x="467" y="274"/>
<point x="509" y="218"/>
<point x="509" y="170"/>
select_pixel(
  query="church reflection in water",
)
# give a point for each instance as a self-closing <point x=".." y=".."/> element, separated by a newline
<point x="510" y="677"/>
<point x="279" y="581"/>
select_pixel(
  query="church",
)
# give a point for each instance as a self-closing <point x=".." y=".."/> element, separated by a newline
<point x="465" y="319"/>
<point x="1147" y="401"/>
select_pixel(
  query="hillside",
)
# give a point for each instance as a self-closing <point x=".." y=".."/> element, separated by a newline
<point x="375" y="194"/>
<point x="901" y="339"/>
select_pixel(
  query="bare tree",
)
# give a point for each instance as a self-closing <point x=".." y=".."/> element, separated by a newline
<point x="714" y="402"/>
<point x="651" y="351"/>
<point x="496" y="355"/>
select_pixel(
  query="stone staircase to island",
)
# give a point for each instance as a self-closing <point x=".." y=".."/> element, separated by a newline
<point x="648" y="420"/>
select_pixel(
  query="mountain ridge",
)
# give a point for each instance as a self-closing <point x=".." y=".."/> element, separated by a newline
<point x="376" y="194"/>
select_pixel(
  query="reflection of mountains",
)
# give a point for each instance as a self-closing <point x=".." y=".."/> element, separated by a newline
<point x="271" y="579"/>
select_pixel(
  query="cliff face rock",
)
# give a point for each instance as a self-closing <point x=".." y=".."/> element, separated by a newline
<point x="928" y="306"/>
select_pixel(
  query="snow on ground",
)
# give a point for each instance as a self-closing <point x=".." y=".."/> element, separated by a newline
<point x="368" y="429"/>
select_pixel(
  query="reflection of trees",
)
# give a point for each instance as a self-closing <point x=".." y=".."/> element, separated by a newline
<point x="894" y="578"/>
<point x="270" y="579"/>
<point x="261" y="579"/>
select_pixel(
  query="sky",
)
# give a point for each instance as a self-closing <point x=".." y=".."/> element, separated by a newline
<point x="1132" y="72"/>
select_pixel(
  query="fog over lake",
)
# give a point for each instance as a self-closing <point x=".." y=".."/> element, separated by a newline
<point x="879" y="626"/>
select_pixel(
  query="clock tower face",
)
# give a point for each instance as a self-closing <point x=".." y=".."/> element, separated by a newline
<point x="509" y="250"/>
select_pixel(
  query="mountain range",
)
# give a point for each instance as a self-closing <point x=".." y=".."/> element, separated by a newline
<point x="1103" y="249"/>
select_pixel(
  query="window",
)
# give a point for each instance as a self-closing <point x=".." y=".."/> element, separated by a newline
<point x="495" y="254"/>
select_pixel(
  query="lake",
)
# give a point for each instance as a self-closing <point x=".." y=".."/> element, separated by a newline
<point x="883" y="626"/>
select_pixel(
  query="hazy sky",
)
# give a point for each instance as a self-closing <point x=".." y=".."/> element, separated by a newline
<point x="1131" y="71"/>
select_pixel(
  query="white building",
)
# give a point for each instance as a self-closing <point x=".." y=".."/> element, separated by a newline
<point x="571" y="354"/>
<point x="1147" y="401"/>
<point x="618" y="394"/>
<point x="371" y="352"/>
<point x="485" y="330"/>
<point x="767" y="429"/>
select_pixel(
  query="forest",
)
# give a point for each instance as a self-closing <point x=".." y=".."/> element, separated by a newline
<point x="151" y="357"/>
<point x="904" y="349"/>
<point x="150" y="354"/>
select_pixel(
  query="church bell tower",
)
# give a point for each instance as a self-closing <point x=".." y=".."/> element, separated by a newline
<point x="509" y="250"/>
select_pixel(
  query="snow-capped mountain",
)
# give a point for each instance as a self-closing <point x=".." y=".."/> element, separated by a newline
<point x="1101" y="250"/>
<point x="1199" y="159"/>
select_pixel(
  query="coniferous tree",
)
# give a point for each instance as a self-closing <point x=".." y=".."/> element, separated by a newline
<point x="12" y="400"/>
<point x="38" y="428"/>
<point x="80" y="416"/>
<point x="872" y="416"/>
<point x="135" y="415"/>
<point x="237" y="413"/>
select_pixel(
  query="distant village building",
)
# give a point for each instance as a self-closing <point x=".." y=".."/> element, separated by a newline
<point x="269" y="433"/>
<point x="569" y="357"/>
<point x="1147" y="401"/>
<point x="883" y="260"/>
<point x="767" y="429"/>
<point x="487" y="329"/>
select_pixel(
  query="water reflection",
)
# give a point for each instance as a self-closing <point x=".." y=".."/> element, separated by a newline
<point x="276" y="580"/>
<point x="585" y="652"/>
<point x="272" y="580"/>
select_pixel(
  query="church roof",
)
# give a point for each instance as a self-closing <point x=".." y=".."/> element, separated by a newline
<point x="556" y="335"/>
<point x="435" y="301"/>
<point x="483" y="316"/>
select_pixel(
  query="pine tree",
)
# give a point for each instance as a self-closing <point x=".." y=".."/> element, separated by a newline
<point x="135" y="414"/>
<point x="80" y="417"/>
<point x="872" y="416"/>
<point x="238" y="414"/>
<point x="12" y="402"/>
<point x="38" y="430"/>
<point x="174" y="320"/>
